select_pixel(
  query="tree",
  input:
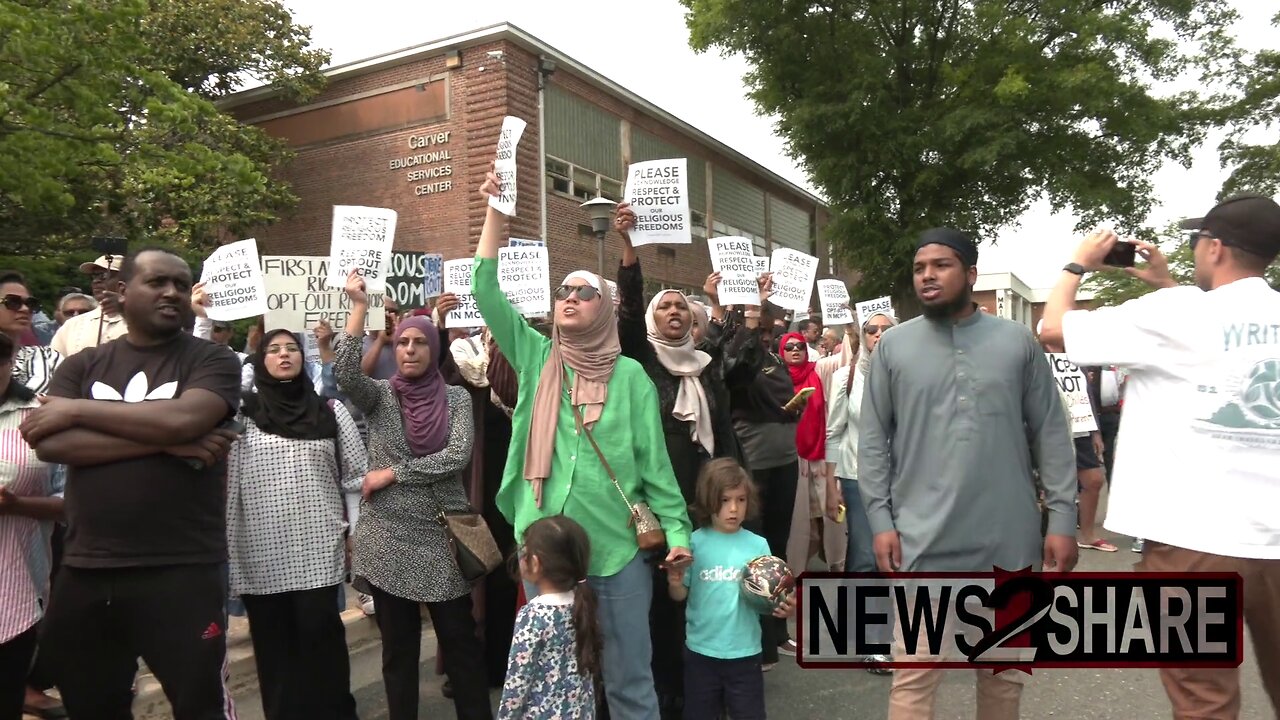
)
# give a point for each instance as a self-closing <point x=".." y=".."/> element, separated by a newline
<point x="1114" y="286"/>
<point x="108" y="123"/>
<point x="1255" y="166"/>
<point x="909" y="114"/>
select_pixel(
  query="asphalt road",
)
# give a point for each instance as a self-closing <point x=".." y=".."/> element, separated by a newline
<point x="795" y="694"/>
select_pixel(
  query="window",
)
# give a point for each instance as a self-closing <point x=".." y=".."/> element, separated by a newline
<point x="584" y="184"/>
<point x="610" y="188"/>
<point x="699" y="228"/>
<point x="580" y="183"/>
<point x="558" y="174"/>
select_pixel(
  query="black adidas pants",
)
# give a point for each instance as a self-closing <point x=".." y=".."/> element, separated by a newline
<point x="101" y="621"/>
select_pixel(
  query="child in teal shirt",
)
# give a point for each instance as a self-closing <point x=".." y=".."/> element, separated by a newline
<point x="722" y="668"/>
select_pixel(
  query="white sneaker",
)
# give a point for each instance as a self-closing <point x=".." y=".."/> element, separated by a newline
<point x="366" y="604"/>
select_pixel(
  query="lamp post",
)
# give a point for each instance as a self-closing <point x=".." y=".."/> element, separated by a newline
<point x="600" y="210"/>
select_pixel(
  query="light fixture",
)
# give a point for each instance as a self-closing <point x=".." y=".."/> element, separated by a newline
<point x="452" y="59"/>
<point x="600" y="210"/>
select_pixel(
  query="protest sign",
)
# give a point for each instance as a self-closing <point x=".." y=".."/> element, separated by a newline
<point x="613" y="290"/>
<point x="517" y="242"/>
<point x="793" y="274"/>
<point x="658" y="191"/>
<point x="432" y="275"/>
<point x="232" y="278"/>
<point x="524" y="275"/>
<point x="1071" y="381"/>
<point x="762" y="264"/>
<point x="361" y="241"/>
<point x="505" y="165"/>
<point x="867" y="308"/>
<point x="298" y="297"/>
<point x="834" y="297"/>
<point x="732" y="258"/>
<point x="457" y="280"/>
<point x="310" y="348"/>
<point x="405" y="280"/>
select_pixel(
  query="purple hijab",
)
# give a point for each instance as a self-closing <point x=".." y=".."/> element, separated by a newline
<point x="424" y="404"/>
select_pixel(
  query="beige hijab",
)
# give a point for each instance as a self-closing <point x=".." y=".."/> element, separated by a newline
<point x="592" y="353"/>
<point x="684" y="361"/>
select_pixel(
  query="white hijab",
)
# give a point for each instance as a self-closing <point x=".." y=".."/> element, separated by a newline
<point x="686" y="362"/>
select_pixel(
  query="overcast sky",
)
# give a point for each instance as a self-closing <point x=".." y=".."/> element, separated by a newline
<point x="645" y="48"/>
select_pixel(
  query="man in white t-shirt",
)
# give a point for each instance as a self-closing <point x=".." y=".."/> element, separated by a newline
<point x="1197" y="467"/>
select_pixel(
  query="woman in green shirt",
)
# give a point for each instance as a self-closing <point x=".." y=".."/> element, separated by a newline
<point x="552" y="468"/>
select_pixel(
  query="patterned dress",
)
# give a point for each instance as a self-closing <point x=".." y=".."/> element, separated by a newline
<point x="542" y="673"/>
<point x="400" y="547"/>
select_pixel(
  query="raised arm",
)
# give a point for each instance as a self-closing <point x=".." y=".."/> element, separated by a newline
<point x="633" y="333"/>
<point x="456" y="454"/>
<point x="352" y="381"/>
<point x="520" y="343"/>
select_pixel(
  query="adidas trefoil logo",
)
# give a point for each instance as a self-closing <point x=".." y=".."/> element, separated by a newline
<point x="135" y="391"/>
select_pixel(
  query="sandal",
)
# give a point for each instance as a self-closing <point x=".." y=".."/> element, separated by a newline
<point x="1098" y="544"/>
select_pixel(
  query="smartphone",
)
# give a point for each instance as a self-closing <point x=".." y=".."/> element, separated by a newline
<point x="1123" y="254"/>
<point x="110" y="245"/>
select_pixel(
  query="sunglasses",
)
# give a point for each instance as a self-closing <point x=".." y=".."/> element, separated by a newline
<point x="77" y="311"/>
<point x="14" y="303"/>
<point x="793" y="345"/>
<point x="875" y="329"/>
<point x="586" y="293"/>
<point x="289" y="348"/>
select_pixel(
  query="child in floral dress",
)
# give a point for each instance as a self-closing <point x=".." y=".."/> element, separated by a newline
<point x="555" y="650"/>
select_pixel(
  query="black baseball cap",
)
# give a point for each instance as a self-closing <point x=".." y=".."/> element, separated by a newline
<point x="1248" y="222"/>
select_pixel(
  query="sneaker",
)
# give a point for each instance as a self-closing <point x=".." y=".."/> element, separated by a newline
<point x="788" y="648"/>
<point x="1138" y="545"/>
<point x="879" y="670"/>
<point x="366" y="604"/>
<point x="766" y="667"/>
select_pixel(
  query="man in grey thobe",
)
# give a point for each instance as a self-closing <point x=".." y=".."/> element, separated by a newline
<point x="959" y="407"/>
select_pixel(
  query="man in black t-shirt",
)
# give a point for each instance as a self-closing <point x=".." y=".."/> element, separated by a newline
<point x="136" y="422"/>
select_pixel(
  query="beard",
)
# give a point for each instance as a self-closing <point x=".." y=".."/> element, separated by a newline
<point x="948" y="309"/>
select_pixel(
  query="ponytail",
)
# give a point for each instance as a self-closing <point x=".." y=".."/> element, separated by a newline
<point x="586" y="630"/>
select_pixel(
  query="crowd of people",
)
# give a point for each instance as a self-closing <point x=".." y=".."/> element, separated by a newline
<point x="630" y="455"/>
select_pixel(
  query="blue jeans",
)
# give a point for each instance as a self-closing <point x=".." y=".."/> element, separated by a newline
<point x="624" y="600"/>
<point x="861" y="555"/>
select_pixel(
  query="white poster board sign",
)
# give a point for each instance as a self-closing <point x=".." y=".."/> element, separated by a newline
<point x="732" y="258"/>
<point x="457" y="280"/>
<point x="867" y="308"/>
<point x="505" y="165"/>
<point x="361" y="241"/>
<point x="762" y="264"/>
<point x="298" y="296"/>
<point x="1071" y="381"/>
<point x="524" y="274"/>
<point x="613" y="290"/>
<point x="233" y="287"/>
<point x="658" y="191"/>
<point x="834" y="298"/>
<point x="793" y="274"/>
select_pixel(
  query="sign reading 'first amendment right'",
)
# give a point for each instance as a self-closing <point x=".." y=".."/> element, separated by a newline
<point x="298" y="297"/>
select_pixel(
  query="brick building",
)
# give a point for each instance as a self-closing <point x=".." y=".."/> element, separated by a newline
<point x="415" y="130"/>
<point x="1007" y="296"/>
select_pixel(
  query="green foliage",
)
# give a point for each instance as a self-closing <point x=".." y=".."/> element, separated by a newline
<point x="50" y="271"/>
<point x="108" y="123"/>
<point x="1255" y="166"/>
<point x="909" y="114"/>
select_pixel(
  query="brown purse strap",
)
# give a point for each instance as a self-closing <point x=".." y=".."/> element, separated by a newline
<point x="582" y="426"/>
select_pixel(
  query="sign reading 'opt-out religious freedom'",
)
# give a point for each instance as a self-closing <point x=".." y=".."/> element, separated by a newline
<point x="793" y="274"/>
<point x="361" y="241"/>
<point x="732" y="258"/>
<point x="1072" y="382"/>
<point x="834" y="297"/>
<point x="297" y="297"/>
<point x="524" y="276"/>
<point x="233" y="287"/>
<point x="658" y="191"/>
<point x="505" y="165"/>
<point x="867" y="308"/>
<point x="457" y="280"/>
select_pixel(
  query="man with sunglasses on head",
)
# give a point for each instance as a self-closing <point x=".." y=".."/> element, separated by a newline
<point x="101" y="324"/>
<point x="1198" y="475"/>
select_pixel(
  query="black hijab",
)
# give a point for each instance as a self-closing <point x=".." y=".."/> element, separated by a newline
<point x="288" y="408"/>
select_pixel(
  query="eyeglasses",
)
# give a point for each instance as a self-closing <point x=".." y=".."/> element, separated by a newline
<point x="874" y="330"/>
<point x="793" y="345"/>
<point x="289" y="348"/>
<point x="78" y="311"/>
<point x="14" y="303"/>
<point x="586" y="293"/>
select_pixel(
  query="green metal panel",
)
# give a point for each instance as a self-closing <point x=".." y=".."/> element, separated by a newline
<point x="790" y="225"/>
<point x="582" y="133"/>
<point x="737" y="202"/>
<point x="645" y="146"/>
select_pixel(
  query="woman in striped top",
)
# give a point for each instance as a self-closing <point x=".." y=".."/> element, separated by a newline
<point x="34" y="364"/>
<point x="27" y="509"/>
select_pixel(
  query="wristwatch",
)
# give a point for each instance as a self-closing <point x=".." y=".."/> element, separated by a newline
<point x="1074" y="269"/>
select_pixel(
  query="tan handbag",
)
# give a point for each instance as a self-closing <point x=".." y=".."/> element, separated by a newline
<point x="649" y="534"/>
<point x="471" y="543"/>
